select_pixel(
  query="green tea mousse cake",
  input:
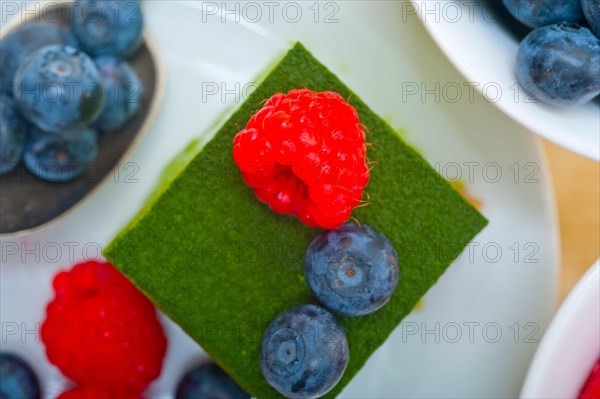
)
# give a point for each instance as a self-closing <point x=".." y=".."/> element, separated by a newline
<point x="223" y="265"/>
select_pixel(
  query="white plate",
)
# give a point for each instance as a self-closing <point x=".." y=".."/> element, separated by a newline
<point x="487" y="297"/>
<point x="485" y="52"/>
<point x="571" y="346"/>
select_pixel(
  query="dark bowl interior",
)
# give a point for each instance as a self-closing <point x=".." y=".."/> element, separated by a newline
<point x="27" y="202"/>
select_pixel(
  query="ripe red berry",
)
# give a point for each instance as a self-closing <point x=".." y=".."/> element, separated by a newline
<point x="304" y="154"/>
<point x="96" y="393"/>
<point x="591" y="389"/>
<point x="101" y="331"/>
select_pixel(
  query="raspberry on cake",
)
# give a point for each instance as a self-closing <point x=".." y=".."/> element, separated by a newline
<point x="101" y="331"/>
<point x="304" y="154"/>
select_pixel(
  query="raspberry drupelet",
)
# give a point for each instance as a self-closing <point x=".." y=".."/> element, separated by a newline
<point x="304" y="154"/>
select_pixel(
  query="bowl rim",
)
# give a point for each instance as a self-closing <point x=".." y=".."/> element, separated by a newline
<point x="157" y="100"/>
<point x="585" y="291"/>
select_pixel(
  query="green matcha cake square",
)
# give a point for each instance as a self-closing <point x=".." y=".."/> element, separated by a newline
<point x="222" y="265"/>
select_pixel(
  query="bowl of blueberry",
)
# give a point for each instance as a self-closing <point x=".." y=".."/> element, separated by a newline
<point x="537" y="60"/>
<point x="80" y="83"/>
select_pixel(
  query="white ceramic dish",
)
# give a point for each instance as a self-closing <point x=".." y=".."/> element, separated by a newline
<point x="485" y="52"/>
<point x="488" y="309"/>
<point x="571" y="346"/>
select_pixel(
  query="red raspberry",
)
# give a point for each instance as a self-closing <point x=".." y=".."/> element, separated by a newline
<point x="304" y="154"/>
<point x="101" y="331"/>
<point x="591" y="390"/>
<point x="96" y="393"/>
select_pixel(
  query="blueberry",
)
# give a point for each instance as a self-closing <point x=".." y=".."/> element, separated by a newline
<point x="60" y="157"/>
<point x="208" y="381"/>
<point x="352" y="270"/>
<point x="536" y="13"/>
<point x="108" y="27"/>
<point x="22" y="41"/>
<point x="560" y="64"/>
<point x="591" y="10"/>
<point x="59" y="88"/>
<point x="123" y="91"/>
<point x="17" y="379"/>
<point x="12" y="135"/>
<point x="304" y="352"/>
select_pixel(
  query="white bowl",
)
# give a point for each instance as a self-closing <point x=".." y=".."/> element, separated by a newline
<point x="571" y="345"/>
<point x="484" y="51"/>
